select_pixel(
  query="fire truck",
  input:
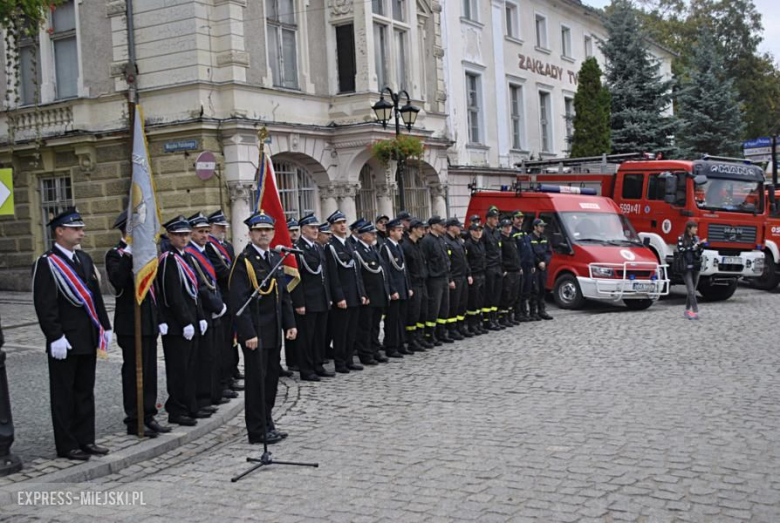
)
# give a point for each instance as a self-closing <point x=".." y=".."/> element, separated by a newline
<point x="597" y="254"/>
<point x="770" y="278"/>
<point x="724" y="195"/>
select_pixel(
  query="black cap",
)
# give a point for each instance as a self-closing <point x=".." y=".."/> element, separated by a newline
<point x="309" y="219"/>
<point x="120" y="221"/>
<point x="292" y="224"/>
<point x="178" y="224"/>
<point x="337" y="216"/>
<point x="415" y="223"/>
<point x="198" y="220"/>
<point x="395" y="223"/>
<point x="433" y="220"/>
<point x="539" y="221"/>
<point x="367" y="227"/>
<point x="492" y="213"/>
<point x="357" y="224"/>
<point x="218" y="218"/>
<point x="475" y="227"/>
<point x="260" y="220"/>
<point x="475" y="218"/>
<point x="382" y="217"/>
<point x="453" y="222"/>
<point x="517" y="214"/>
<point x="404" y="215"/>
<point x="70" y="217"/>
<point x="325" y="228"/>
<point x="504" y="223"/>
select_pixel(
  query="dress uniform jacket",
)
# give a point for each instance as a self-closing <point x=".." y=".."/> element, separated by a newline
<point x="416" y="264"/>
<point x="435" y="251"/>
<point x="313" y="291"/>
<point x="177" y="307"/>
<point x="221" y="255"/>
<point x="491" y="239"/>
<point x="344" y="277"/>
<point x="397" y="274"/>
<point x="475" y="256"/>
<point x="459" y="268"/>
<point x="374" y="275"/>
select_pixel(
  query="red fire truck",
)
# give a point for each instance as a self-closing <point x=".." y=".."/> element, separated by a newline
<point x="724" y="196"/>
<point x="770" y="278"/>
<point x="596" y="252"/>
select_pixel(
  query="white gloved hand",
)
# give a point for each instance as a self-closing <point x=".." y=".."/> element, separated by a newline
<point x="189" y="332"/>
<point x="60" y="348"/>
<point x="108" y="335"/>
<point x="215" y="315"/>
<point x="203" y="327"/>
<point x="163" y="329"/>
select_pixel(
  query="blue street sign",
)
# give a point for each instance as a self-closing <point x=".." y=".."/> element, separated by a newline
<point x="757" y="142"/>
<point x="182" y="145"/>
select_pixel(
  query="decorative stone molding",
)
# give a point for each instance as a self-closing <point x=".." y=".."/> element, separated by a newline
<point x="328" y="191"/>
<point x="233" y="57"/>
<point x="240" y="3"/>
<point x="240" y="191"/>
<point x="87" y="157"/>
<point x="438" y="52"/>
<point x="116" y="8"/>
<point x="386" y="189"/>
<point x="437" y="190"/>
<point x="436" y="6"/>
<point x="340" y="7"/>
<point x="347" y="190"/>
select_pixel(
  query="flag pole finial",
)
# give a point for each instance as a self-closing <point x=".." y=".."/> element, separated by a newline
<point x="262" y="136"/>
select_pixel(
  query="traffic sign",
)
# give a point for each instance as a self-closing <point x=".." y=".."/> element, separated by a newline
<point x="205" y="165"/>
<point x="6" y="192"/>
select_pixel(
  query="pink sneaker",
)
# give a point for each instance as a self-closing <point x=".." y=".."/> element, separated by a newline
<point x="690" y="315"/>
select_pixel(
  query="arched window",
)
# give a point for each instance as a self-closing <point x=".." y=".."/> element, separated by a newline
<point x="365" y="202"/>
<point x="418" y="199"/>
<point x="296" y="190"/>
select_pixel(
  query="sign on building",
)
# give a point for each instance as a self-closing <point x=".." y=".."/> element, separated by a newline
<point x="758" y="149"/>
<point x="6" y="192"/>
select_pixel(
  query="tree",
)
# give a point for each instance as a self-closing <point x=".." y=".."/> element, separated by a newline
<point x="640" y="96"/>
<point x="711" y="121"/>
<point x="32" y="10"/>
<point x="591" y="121"/>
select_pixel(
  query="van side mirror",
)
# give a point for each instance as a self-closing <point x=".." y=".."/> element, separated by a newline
<point x="699" y="179"/>
<point x="646" y="241"/>
<point x="670" y="186"/>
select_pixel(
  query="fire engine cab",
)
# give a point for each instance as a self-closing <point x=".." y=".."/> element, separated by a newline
<point x="596" y="252"/>
<point x="726" y="197"/>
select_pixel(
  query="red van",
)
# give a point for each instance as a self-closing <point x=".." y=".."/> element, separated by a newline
<point x="597" y="254"/>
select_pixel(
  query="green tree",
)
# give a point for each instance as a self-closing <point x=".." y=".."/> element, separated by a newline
<point x="591" y="121"/>
<point x="640" y="96"/>
<point x="708" y="109"/>
<point x="32" y="10"/>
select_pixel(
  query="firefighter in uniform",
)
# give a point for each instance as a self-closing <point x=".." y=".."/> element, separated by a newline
<point x="434" y="249"/>
<point x="491" y="239"/>
<point x="417" y="268"/>
<point x="526" y="264"/>
<point x="400" y="289"/>
<point x="542" y="254"/>
<point x="347" y="293"/>
<point x="381" y="230"/>
<point x="475" y="256"/>
<point x="377" y="290"/>
<point x="510" y="262"/>
<point x="291" y="346"/>
<point x="311" y="302"/>
<point x="261" y="326"/>
<point x="180" y="307"/>
<point x="119" y="268"/>
<point x="461" y="277"/>
<point x="71" y="314"/>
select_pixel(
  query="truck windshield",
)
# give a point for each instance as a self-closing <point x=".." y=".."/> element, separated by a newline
<point x="599" y="227"/>
<point x="720" y="194"/>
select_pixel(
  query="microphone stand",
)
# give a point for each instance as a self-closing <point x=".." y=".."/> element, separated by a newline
<point x="265" y="459"/>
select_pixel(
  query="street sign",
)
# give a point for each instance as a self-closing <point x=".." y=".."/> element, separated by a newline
<point x="757" y="142"/>
<point x="205" y="165"/>
<point x="182" y="145"/>
<point x="6" y="192"/>
<point x="758" y="150"/>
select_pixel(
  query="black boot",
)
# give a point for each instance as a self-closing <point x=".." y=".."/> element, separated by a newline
<point x="430" y="336"/>
<point x="543" y="311"/>
<point x="503" y="320"/>
<point x="454" y="333"/>
<point x="464" y="329"/>
<point x="523" y="312"/>
<point x="533" y="314"/>
<point x="510" y="316"/>
<point x="424" y="343"/>
<point x="441" y="334"/>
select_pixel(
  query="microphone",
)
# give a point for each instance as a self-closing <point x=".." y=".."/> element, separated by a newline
<point x="282" y="248"/>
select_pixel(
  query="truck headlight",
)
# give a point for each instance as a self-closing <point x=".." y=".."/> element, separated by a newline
<point x="603" y="272"/>
<point x="758" y="265"/>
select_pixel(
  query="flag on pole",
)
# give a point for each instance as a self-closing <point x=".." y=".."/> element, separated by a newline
<point x="143" y="218"/>
<point x="267" y="199"/>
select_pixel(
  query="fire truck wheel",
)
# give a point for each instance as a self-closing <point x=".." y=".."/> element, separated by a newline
<point x="639" y="304"/>
<point x="717" y="292"/>
<point x="567" y="293"/>
<point x="770" y="278"/>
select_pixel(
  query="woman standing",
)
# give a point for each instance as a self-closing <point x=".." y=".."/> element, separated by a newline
<point x="690" y="248"/>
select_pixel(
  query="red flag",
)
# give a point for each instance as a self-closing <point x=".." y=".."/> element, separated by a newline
<point x="267" y="199"/>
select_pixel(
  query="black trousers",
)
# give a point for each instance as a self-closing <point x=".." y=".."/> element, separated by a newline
<point x="539" y="282"/>
<point x="217" y="352"/>
<point x="363" y="344"/>
<point x="509" y="288"/>
<point x="476" y="295"/>
<point x="394" y="325"/>
<point x="203" y="364"/>
<point x="527" y="279"/>
<point x="72" y="393"/>
<point x="228" y="352"/>
<point x="261" y="381"/>
<point x="311" y="331"/>
<point x="343" y="327"/>
<point x="458" y="300"/>
<point x="179" y="362"/>
<point x="493" y="281"/>
<point x="416" y="308"/>
<point x="291" y="349"/>
<point x="375" y="327"/>
<point x="438" y="302"/>
<point x="149" y="369"/>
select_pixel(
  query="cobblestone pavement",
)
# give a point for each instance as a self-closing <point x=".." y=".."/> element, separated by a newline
<point x="602" y="415"/>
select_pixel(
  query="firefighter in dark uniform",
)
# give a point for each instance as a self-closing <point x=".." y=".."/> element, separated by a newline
<point x="119" y="268"/>
<point x="526" y="268"/>
<point x="461" y="277"/>
<point x="406" y="221"/>
<point x="354" y="233"/>
<point x="261" y="326"/>
<point x="417" y="268"/>
<point x="491" y="239"/>
<point x="434" y="250"/>
<point x="377" y="289"/>
<point x="542" y="254"/>
<point x="291" y="346"/>
<point x="381" y="237"/>
<point x="311" y="302"/>
<point x="221" y="254"/>
<point x="381" y="230"/>
<point x="475" y="256"/>
<point x="400" y="289"/>
<point x="510" y="262"/>
<point x="347" y="293"/>
<point x="73" y="318"/>
<point x="208" y="364"/>
<point x="179" y="305"/>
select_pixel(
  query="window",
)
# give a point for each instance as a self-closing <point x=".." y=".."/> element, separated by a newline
<point x="656" y="188"/>
<point x="541" y="31"/>
<point x="282" y="48"/>
<point x="566" y="41"/>
<point x="545" y="121"/>
<point x="470" y="9"/>
<point x="473" y="96"/>
<point x="380" y="55"/>
<point x="512" y="25"/>
<point x="568" y="105"/>
<point x="56" y="196"/>
<point x="378" y="7"/>
<point x="296" y="190"/>
<point x="66" y="61"/>
<point x="29" y="54"/>
<point x="400" y="59"/>
<point x="399" y="10"/>
<point x="365" y="200"/>
<point x="417" y="196"/>
<point x="632" y="186"/>
<point x="516" y="104"/>
<point x="588" y="46"/>
<point x="345" y="58"/>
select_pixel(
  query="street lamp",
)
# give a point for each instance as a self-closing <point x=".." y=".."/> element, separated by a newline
<point x="384" y="111"/>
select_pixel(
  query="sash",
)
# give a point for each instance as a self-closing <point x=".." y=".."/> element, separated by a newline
<point x="204" y="262"/>
<point x="221" y="248"/>
<point x="77" y="292"/>
<point x="122" y="252"/>
<point x="188" y="278"/>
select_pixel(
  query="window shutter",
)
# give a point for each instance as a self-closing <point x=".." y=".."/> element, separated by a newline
<point x="345" y="49"/>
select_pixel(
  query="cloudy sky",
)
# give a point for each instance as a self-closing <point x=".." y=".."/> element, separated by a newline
<point x="770" y="16"/>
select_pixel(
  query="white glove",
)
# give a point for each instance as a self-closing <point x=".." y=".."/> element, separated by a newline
<point x="189" y="332"/>
<point x="108" y="335"/>
<point x="128" y="250"/>
<point x="203" y="327"/>
<point x="220" y="313"/>
<point x="60" y="348"/>
<point x="163" y="329"/>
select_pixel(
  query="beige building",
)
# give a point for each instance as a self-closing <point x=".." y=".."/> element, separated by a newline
<point x="209" y="75"/>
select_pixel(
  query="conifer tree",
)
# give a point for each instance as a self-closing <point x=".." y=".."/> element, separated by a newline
<point x="591" y="121"/>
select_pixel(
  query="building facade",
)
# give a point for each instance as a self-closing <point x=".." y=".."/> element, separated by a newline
<point x="511" y="71"/>
<point x="210" y="74"/>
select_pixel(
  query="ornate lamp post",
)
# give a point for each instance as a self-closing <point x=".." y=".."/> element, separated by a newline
<point x="384" y="111"/>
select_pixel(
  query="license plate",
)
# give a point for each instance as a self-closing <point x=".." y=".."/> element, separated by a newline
<point x="731" y="260"/>
<point x="644" y="287"/>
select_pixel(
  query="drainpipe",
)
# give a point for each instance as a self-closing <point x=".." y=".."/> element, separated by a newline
<point x="131" y="70"/>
